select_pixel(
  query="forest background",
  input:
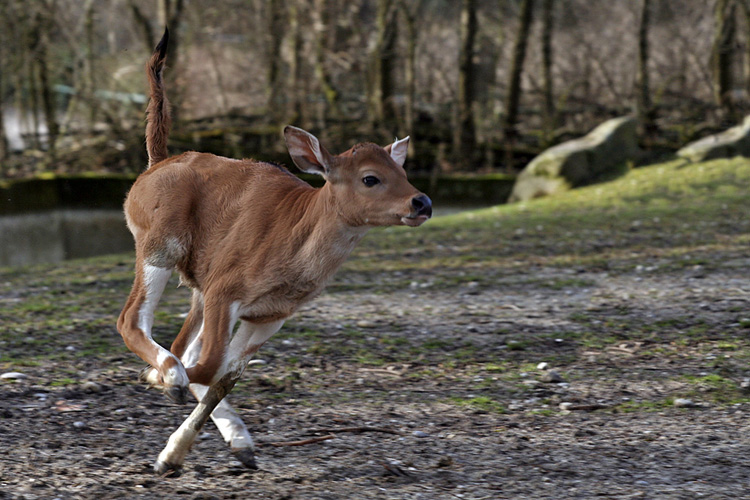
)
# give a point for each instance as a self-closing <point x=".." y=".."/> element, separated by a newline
<point x="480" y="85"/>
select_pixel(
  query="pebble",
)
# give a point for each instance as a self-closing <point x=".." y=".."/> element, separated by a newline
<point x="566" y="406"/>
<point x="421" y="434"/>
<point x="684" y="403"/>
<point x="254" y="362"/>
<point x="79" y="425"/>
<point x="542" y="366"/>
<point x="552" y="377"/>
<point x="14" y="376"/>
<point x="91" y="387"/>
<point x="366" y="324"/>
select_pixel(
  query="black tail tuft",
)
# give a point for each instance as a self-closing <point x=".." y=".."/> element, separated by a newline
<point x="161" y="47"/>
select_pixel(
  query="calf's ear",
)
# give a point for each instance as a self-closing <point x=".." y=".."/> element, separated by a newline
<point x="307" y="152"/>
<point x="398" y="150"/>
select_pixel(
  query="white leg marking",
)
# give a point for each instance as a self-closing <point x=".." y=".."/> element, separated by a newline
<point x="155" y="280"/>
<point x="244" y="344"/>
<point x="178" y="445"/>
<point x="227" y="420"/>
<point x="173" y="455"/>
<point x="193" y="350"/>
<point x="247" y="340"/>
<point x="229" y="423"/>
<point x="151" y="377"/>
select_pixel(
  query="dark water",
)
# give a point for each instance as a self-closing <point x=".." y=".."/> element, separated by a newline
<point x="58" y="235"/>
<point x="54" y="236"/>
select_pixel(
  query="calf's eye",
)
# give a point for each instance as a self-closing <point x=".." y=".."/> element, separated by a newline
<point x="370" y="180"/>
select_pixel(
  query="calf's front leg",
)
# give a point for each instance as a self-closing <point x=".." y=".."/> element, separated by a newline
<point x="245" y="343"/>
<point x="173" y="455"/>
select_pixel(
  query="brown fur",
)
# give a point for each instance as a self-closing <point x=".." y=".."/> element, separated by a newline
<point x="249" y="234"/>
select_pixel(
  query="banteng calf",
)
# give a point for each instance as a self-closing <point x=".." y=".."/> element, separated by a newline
<point x="254" y="243"/>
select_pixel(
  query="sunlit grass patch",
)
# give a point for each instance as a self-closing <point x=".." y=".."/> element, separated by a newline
<point x="654" y="208"/>
<point x="481" y="403"/>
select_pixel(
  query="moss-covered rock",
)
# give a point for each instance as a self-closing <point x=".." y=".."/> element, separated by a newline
<point x="580" y="161"/>
<point x="732" y="142"/>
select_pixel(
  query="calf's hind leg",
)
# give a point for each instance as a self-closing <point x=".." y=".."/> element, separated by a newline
<point x="135" y="323"/>
<point x="189" y="331"/>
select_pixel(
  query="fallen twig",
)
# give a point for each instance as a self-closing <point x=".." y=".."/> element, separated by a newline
<point x="298" y="443"/>
<point x="380" y="371"/>
<point x="583" y="407"/>
<point x="356" y="429"/>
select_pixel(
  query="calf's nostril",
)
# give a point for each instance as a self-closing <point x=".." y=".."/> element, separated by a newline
<point x="422" y="205"/>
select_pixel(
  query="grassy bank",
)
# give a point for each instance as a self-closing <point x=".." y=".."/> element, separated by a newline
<point x="506" y="347"/>
<point x="658" y="222"/>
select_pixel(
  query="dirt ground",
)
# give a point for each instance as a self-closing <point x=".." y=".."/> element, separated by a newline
<point x="620" y="376"/>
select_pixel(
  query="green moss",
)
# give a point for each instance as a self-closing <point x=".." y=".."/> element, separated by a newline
<point x="645" y="406"/>
<point x="482" y="403"/>
<point x="62" y="382"/>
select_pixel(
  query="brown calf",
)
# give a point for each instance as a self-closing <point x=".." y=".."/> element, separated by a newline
<point x="254" y="243"/>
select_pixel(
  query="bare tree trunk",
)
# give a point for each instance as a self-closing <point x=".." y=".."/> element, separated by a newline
<point x="465" y="138"/>
<point x="322" y="26"/>
<point x="549" y="101"/>
<point x="48" y="101"/>
<point x="90" y="71"/>
<point x="47" y="14"/>
<point x="295" y="106"/>
<point x="3" y="65"/>
<point x="382" y="87"/>
<point x="145" y="25"/>
<point x="410" y="16"/>
<point x="32" y="42"/>
<point x="513" y="97"/>
<point x="170" y="15"/>
<point x="643" y="90"/>
<point x="219" y="88"/>
<point x="722" y="55"/>
<point x="276" y="14"/>
<point x="745" y="4"/>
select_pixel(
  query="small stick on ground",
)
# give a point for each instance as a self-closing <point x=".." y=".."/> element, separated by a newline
<point x="356" y="429"/>
<point x="584" y="407"/>
<point x="298" y="443"/>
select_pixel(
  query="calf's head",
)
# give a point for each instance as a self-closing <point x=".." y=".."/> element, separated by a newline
<point x="367" y="183"/>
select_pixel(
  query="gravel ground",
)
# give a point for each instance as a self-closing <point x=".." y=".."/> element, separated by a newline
<point x="545" y="353"/>
<point x="454" y="373"/>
